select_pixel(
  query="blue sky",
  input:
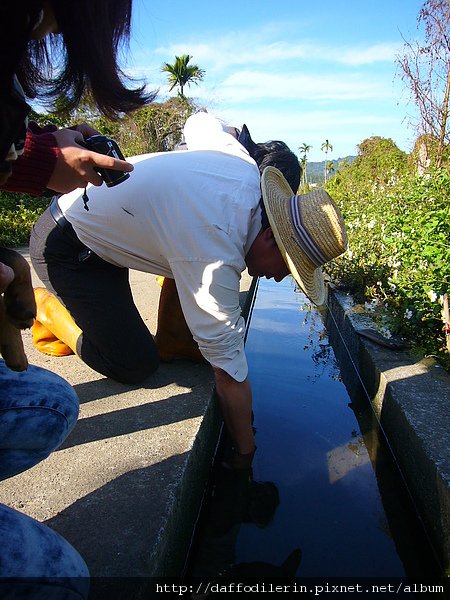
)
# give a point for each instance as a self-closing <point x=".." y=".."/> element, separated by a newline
<point x="292" y="70"/>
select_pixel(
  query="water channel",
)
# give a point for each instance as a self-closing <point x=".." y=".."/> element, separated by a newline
<point x="325" y="498"/>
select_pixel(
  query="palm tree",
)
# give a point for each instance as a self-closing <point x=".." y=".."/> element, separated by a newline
<point x="303" y="181"/>
<point x="181" y="73"/>
<point x="326" y="147"/>
<point x="330" y="167"/>
<point x="304" y="148"/>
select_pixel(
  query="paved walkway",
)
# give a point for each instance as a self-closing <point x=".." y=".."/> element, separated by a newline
<point x="125" y="487"/>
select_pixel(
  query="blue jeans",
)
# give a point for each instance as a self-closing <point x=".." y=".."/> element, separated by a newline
<point x="38" y="409"/>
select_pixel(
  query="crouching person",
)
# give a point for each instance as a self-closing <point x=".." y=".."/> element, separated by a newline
<point x="38" y="410"/>
<point x="199" y="218"/>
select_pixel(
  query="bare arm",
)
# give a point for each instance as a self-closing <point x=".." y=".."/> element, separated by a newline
<point x="17" y="307"/>
<point x="235" y="400"/>
<point x="6" y="277"/>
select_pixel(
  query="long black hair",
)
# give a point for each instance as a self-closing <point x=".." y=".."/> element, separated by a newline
<point x="82" y="59"/>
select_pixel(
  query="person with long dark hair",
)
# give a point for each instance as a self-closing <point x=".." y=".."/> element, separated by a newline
<point x="50" y="49"/>
<point x="60" y="50"/>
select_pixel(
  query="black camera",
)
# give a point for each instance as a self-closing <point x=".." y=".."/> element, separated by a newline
<point x="105" y="145"/>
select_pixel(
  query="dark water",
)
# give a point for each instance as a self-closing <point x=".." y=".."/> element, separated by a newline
<point x="325" y="492"/>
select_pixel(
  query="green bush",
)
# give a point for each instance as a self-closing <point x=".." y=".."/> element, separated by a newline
<point x="18" y="214"/>
<point x="398" y="261"/>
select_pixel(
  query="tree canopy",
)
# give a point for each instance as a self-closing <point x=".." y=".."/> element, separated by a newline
<point x="425" y="67"/>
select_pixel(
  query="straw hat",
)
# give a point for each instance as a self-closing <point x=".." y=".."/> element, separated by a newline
<point x="309" y="230"/>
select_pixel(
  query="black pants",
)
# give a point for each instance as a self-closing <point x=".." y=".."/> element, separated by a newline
<point x="115" y="340"/>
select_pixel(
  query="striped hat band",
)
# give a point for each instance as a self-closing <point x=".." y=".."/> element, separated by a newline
<point x="302" y="237"/>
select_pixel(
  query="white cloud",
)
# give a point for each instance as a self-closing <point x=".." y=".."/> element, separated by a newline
<point x="247" y="48"/>
<point x="252" y="85"/>
<point x="344" y="128"/>
<point x="247" y="85"/>
<point x="359" y="55"/>
<point x="291" y="70"/>
<point x="310" y="119"/>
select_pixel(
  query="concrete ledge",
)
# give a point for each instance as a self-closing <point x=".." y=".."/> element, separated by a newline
<point x="411" y="399"/>
<point x="126" y="486"/>
<point x="169" y="554"/>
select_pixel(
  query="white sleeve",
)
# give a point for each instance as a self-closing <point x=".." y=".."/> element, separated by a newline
<point x="209" y="297"/>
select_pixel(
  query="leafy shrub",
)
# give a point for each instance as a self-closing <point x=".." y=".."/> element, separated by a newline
<point x="398" y="260"/>
<point x="18" y="214"/>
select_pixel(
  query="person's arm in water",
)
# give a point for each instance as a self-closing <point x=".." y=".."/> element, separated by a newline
<point x="235" y="399"/>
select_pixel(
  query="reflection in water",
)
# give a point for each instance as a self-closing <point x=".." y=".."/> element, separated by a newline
<point x="264" y="571"/>
<point x="236" y="499"/>
<point x="344" y="458"/>
<point x="334" y="490"/>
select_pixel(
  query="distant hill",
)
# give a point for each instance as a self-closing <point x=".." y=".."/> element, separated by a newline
<point x="316" y="170"/>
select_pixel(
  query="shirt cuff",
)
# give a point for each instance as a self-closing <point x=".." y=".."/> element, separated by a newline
<point x="235" y="364"/>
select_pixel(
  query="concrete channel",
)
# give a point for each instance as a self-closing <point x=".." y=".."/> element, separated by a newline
<point x="327" y="497"/>
<point x="126" y="486"/>
<point x="411" y="399"/>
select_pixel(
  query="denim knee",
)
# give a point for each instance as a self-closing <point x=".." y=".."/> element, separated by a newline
<point x="35" y="558"/>
<point x="38" y="409"/>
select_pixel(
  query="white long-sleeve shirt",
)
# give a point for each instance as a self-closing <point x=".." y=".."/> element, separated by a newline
<point x="191" y="215"/>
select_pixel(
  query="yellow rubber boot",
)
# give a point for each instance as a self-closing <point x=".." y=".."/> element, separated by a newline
<point x="47" y="343"/>
<point x="54" y="331"/>
<point x="173" y="337"/>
